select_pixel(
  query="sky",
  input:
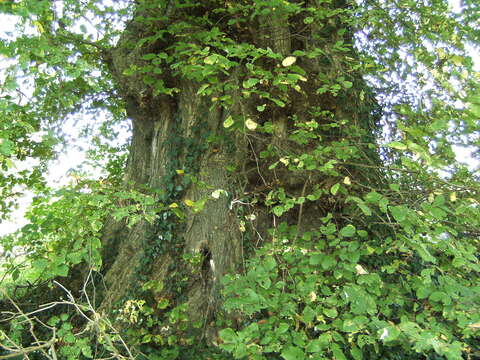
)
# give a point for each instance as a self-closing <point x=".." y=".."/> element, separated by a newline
<point x="60" y="169"/>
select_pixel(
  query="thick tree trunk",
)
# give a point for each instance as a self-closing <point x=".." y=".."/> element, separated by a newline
<point x="170" y="133"/>
<point x="168" y="137"/>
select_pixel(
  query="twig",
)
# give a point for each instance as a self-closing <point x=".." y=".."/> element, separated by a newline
<point x="300" y="211"/>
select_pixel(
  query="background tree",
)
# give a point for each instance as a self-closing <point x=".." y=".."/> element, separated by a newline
<point x="290" y="189"/>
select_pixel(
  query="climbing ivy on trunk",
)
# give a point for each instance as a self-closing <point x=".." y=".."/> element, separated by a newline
<point x="292" y="187"/>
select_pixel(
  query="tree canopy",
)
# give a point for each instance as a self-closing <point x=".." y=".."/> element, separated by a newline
<point x="318" y="140"/>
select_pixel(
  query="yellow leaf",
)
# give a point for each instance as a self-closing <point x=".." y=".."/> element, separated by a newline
<point x="457" y="60"/>
<point x="228" y="122"/>
<point x="347" y="181"/>
<point x="251" y="217"/>
<point x="360" y="270"/>
<point x="173" y="205"/>
<point x="453" y="196"/>
<point x="289" y="60"/>
<point x="210" y="60"/>
<point x="216" y="194"/>
<point x="189" y="202"/>
<point x="39" y="26"/>
<point x="242" y="227"/>
<point x="180" y="172"/>
<point x="474" y="326"/>
<point x="250" y="124"/>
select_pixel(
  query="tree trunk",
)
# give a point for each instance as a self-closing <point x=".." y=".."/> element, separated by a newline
<point x="181" y="135"/>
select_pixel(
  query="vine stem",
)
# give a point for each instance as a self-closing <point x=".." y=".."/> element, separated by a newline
<point x="300" y="211"/>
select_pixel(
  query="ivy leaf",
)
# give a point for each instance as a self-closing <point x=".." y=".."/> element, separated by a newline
<point x="308" y="20"/>
<point x="278" y="210"/>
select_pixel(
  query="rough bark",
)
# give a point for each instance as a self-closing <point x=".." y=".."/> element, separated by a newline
<point x="212" y="232"/>
<point x="158" y="122"/>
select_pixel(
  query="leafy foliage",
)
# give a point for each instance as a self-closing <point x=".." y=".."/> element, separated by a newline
<point x="350" y="113"/>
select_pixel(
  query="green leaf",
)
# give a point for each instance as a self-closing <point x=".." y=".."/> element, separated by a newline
<point x="438" y="213"/>
<point x="397" y="145"/>
<point x="228" y="122"/>
<point x="270" y="263"/>
<point x="347" y="231"/>
<point x="250" y="83"/>
<point x="314" y="346"/>
<point x="365" y="209"/>
<point x="331" y="313"/>
<point x="334" y="189"/>
<point x="293" y="353"/>
<point x="6" y="147"/>
<point x="316" y="259"/>
<point x="337" y="352"/>
<point x="437" y="296"/>
<point x="362" y="233"/>
<point x="328" y="261"/>
<point x="278" y="210"/>
<point x="308" y="314"/>
<point x="87" y="351"/>
<point x="69" y="338"/>
<point x="228" y="335"/>
<point x="61" y="270"/>
<point x="356" y="353"/>
<point x="163" y="304"/>
<point x="278" y="102"/>
<point x="149" y="56"/>
<point x="389" y="333"/>
<point x="308" y="20"/>
<point x="399" y="213"/>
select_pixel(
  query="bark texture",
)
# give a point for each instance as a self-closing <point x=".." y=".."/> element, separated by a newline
<point x="168" y="132"/>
